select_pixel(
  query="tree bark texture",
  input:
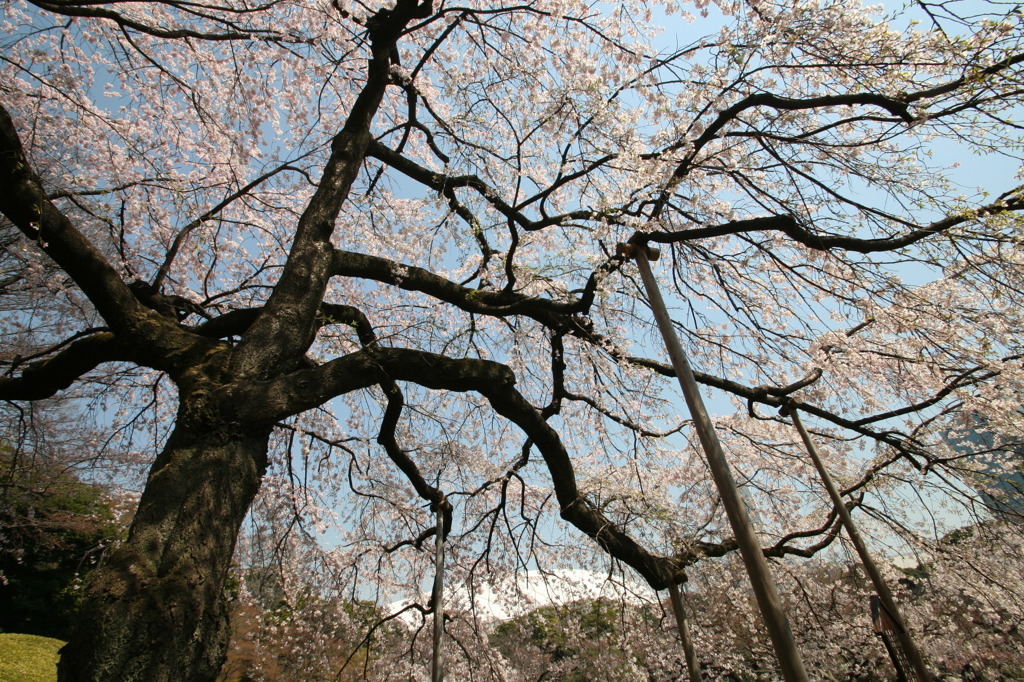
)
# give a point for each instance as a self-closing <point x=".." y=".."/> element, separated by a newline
<point x="157" y="611"/>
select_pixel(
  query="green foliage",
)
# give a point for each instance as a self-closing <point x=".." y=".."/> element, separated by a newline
<point x="576" y="642"/>
<point x="28" y="658"/>
<point x="546" y="625"/>
<point x="53" y="531"/>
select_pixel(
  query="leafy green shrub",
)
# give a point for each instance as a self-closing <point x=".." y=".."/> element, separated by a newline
<point x="54" y="528"/>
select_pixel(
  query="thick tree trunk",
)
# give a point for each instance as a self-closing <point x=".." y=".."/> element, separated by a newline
<point x="157" y="610"/>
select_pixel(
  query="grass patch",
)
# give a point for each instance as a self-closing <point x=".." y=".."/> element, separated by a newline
<point x="28" y="658"/>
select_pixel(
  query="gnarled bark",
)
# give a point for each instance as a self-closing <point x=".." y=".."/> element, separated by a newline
<point x="157" y="610"/>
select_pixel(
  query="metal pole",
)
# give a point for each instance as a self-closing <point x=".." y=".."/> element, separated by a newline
<point x="692" y="664"/>
<point x="884" y="595"/>
<point x="437" y="662"/>
<point x="750" y="549"/>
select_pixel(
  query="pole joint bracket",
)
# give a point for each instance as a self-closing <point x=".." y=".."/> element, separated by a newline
<point x="629" y="250"/>
<point x="789" y="405"/>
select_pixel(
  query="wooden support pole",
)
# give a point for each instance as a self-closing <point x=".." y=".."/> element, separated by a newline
<point x="437" y="662"/>
<point x="885" y="596"/>
<point x="692" y="664"/>
<point x="761" y="581"/>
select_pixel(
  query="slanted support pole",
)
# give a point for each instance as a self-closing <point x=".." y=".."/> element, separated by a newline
<point x="910" y="649"/>
<point x="437" y="662"/>
<point x="768" y="601"/>
<point x="692" y="664"/>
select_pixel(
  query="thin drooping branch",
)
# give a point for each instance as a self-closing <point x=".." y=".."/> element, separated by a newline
<point x="209" y="214"/>
<point x="830" y="529"/>
<point x="897" y="106"/>
<point x="440" y="182"/>
<point x="974" y="77"/>
<point x="762" y="395"/>
<point x="622" y="421"/>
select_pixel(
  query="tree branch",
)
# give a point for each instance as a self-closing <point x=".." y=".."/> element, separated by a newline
<point x="789" y="226"/>
<point x="25" y="204"/>
<point x="70" y="8"/>
<point x="440" y="182"/>
<point x="285" y="328"/>
<point x="179" y="238"/>
<point x="305" y="389"/>
<point x="44" y="378"/>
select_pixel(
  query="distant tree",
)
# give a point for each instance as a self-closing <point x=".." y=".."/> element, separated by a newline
<point x="581" y="640"/>
<point x="54" y="531"/>
<point x="975" y="612"/>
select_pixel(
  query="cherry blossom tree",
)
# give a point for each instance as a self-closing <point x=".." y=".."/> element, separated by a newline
<point x="351" y="260"/>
